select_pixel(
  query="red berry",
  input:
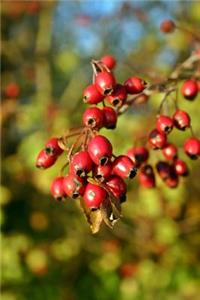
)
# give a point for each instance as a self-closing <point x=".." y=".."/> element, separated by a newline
<point x="167" y="26"/>
<point x="110" y="117"/>
<point x="181" y="119"/>
<point x="164" y="124"/>
<point x="93" y="117"/>
<point x="109" y="61"/>
<point x="74" y="186"/>
<point x="170" y="151"/>
<point x="180" y="168"/>
<point x="157" y="139"/>
<point x="192" y="147"/>
<point x="52" y="147"/>
<point x="118" y="96"/>
<point x="134" y="85"/>
<point x="57" y="189"/>
<point x="124" y="167"/>
<point x="91" y="95"/>
<point x="81" y="164"/>
<point x="105" y="83"/>
<point x="45" y="160"/>
<point x="172" y="181"/>
<point x="138" y="155"/>
<point x="189" y="89"/>
<point x="163" y="169"/>
<point x="94" y="195"/>
<point x="102" y="172"/>
<point x="147" y="177"/>
<point x="100" y="150"/>
<point x="12" y="90"/>
<point x="118" y="187"/>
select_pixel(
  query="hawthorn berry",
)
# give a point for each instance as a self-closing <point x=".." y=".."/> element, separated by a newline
<point x="189" y="89"/>
<point x="93" y="117"/>
<point x="102" y="173"/>
<point x="91" y="95"/>
<point x="94" y="195"/>
<point x="52" y="147"/>
<point x="81" y="164"/>
<point x="109" y="61"/>
<point x="164" y="124"/>
<point x="45" y="160"/>
<point x="147" y="177"/>
<point x="118" y="187"/>
<point x="138" y="155"/>
<point x="105" y="83"/>
<point x="167" y="26"/>
<point x="180" y="168"/>
<point x="181" y="119"/>
<point x="57" y="189"/>
<point x="110" y="117"/>
<point x="192" y="147"/>
<point x="164" y="169"/>
<point x="100" y="150"/>
<point x="157" y="139"/>
<point x="124" y="167"/>
<point x="73" y="186"/>
<point x="134" y="85"/>
<point x="170" y="151"/>
<point x="12" y="90"/>
<point x="118" y="96"/>
<point x="172" y="181"/>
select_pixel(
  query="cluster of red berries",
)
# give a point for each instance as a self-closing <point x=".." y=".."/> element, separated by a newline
<point x="95" y="174"/>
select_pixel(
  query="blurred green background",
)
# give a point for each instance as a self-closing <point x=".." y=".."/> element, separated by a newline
<point x="48" y="251"/>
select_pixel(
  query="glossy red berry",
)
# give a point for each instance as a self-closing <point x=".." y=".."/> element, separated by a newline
<point x="134" y="85"/>
<point x="167" y="26"/>
<point x="52" y="147"/>
<point x="105" y="83"/>
<point x="12" y="90"/>
<point x="170" y="151"/>
<point x="57" y="189"/>
<point x="118" y="96"/>
<point x="192" y="147"/>
<point x="93" y="117"/>
<point x="157" y="139"/>
<point x="74" y="186"/>
<point x="164" y="169"/>
<point x="164" y="124"/>
<point x="189" y="89"/>
<point x="81" y="164"/>
<point x="147" y="177"/>
<point x="102" y="173"/>
<point x="172" y="181"/>
<point x="138" y="155"/>
<point x="181" y="119"/>
<point x="180" y="168"/>
<point x="91" y="95"/>
<point x="110" y="117"/>
<point x="118" y="187"/>
<point x="109" y="61"/>
<point x="45" y="160"/>
<point x="94" y="195"/>
<point x="100" y="150"/>
<point x="124" y="167"/>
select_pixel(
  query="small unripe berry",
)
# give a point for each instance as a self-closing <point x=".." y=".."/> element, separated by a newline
<point x="164" y="124"/>
<point x="118" y="187"/>
<point x="109" y="61"/>
<point x="189" y="89"/>
<point x="180" y="168"/>
<point x="167" y="26"/>
<point x="102" y="173"/>
<point x="124" y="167"/>
<point x="147" y="177"/>
<point x="52" y="147"/>
<point x="192" y="147"/>
<point x="57" y="189"/>
<point x="74" y="186"/>
<point x="105" y="83"/>
<point x="81" y="164"/>
<point x="138" y="155"/>
<point x="93" y="117"/>
<point x="118" y="96"/>
<point x="110" y="117"/>
<point x="181" y="119"/>
<point x="157" y="139"/>
<point x="94" y="195"/>
<point x="91" y="95"/>
<point x="134" y="85"/>
<point x="45" y="160"/>
<point x="100" y="150"/>
<point x="170" y="151"/>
